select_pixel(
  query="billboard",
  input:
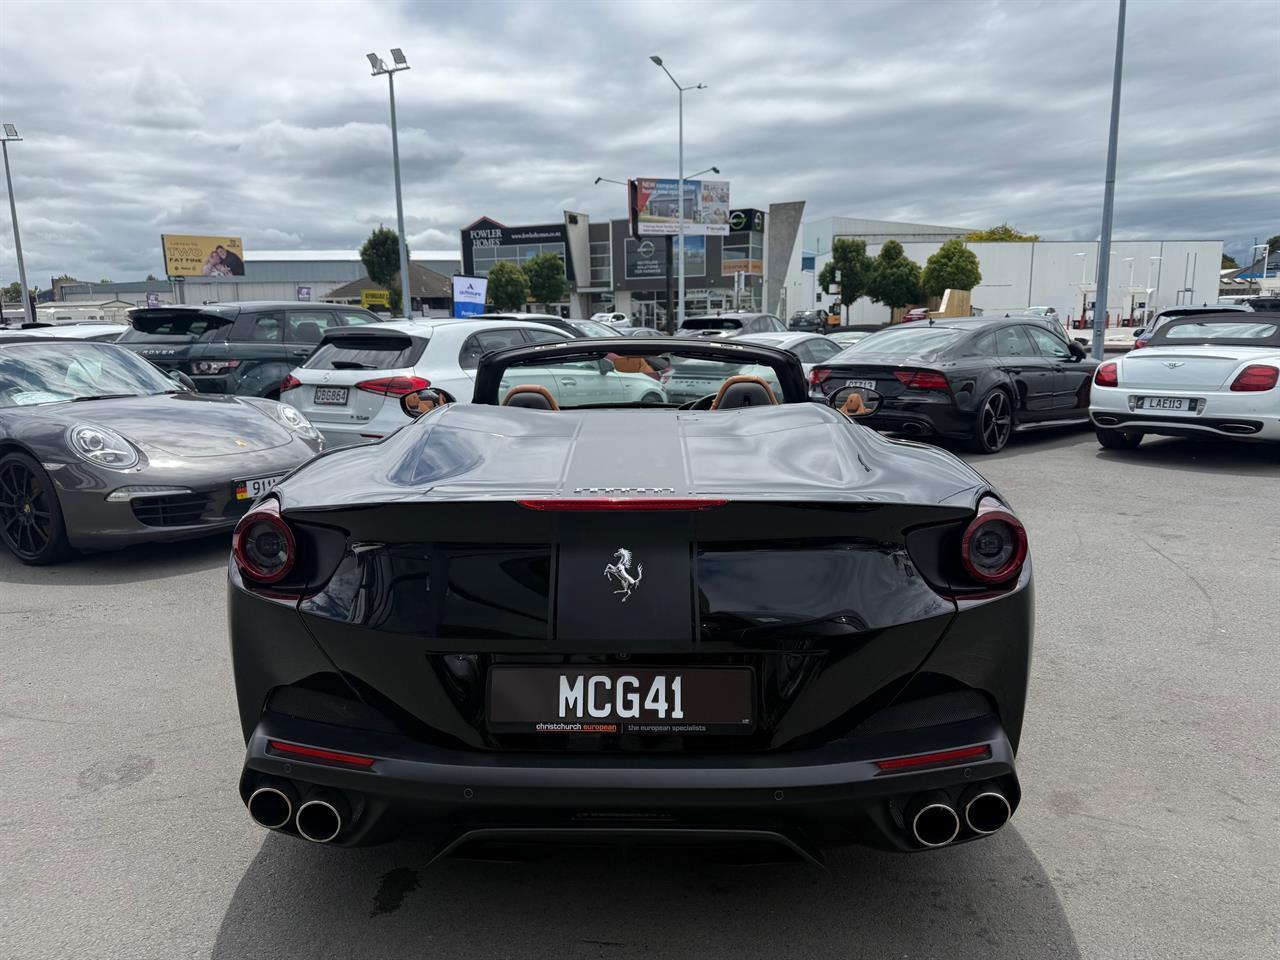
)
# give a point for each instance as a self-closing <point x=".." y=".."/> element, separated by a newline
<point x="646" y="259"/>
<point x="468" y="295"/>
<point x="186" y="256"/>
<point x="735" y="261"/>
<point x="656" y="207"/>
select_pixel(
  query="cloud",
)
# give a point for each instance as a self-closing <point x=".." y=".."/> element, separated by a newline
<point x="263" y="120"/>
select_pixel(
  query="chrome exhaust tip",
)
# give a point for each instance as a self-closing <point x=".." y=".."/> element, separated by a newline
<point x="932" y="820"/>
<point x="321" y="818"/>
<point x="271" y="806"/>
<point x="986" y="809"/>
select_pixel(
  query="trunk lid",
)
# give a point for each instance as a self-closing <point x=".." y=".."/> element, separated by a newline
<point x="171" y="338"/>
<point x="1183" y="368"/>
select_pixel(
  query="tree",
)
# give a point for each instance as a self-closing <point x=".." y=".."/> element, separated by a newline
<point x="850" y="258"/>
<point x="152" y="278"/>
<point x="508" y="286"/>
<point x="895" y="277"/>
<point x="105" y="280"/>
<point x="545" y="273"/>
<point x="381" y="258"/>
<point x="953" y="267"/>
<point x="12" y="293"/>
<point x="1273" y="244"/>
<point x="1229" y="262"/>
<point x="1004" y="233"/>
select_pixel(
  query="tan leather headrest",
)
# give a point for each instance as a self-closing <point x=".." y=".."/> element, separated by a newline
<point x="739" y="388"/>
<point x="854" y="406"/>
<point x="531" y="390"/>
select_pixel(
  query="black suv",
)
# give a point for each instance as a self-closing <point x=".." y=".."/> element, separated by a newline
<point x="238" y="348"/>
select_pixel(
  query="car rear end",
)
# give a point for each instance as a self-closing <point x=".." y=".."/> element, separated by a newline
<point x="187" y="340"/>
<point x="800" y="673"/>
<point x="917" y="397"/>
<point x="710" y="327"/>
<point x="350" y="388"/>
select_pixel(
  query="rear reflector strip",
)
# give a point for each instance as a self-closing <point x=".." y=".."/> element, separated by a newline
<point x="587" y="504"/>
<point x="935" y="759"/>
<point x="322" y="756"/>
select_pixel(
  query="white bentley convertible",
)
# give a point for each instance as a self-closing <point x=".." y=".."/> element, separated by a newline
<point x="1206" y="375"/>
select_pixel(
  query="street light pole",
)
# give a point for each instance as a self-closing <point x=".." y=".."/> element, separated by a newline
<point x="1109" y="195"/>
<point x="11" y="134"/>
<point x="1257" y="246"/>
<point x="680" y="198"/>
<point x="380" y="67"/>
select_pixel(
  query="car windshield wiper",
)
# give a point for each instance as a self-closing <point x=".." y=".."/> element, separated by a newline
<point x="103" y="396"/>
<point x="351" y="365"/>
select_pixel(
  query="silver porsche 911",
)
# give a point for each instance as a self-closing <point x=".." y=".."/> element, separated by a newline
<point x="99" y="450"/>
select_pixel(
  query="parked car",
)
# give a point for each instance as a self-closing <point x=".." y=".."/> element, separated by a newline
<point x="89" y="330"/>
<point x="1143" y="335"/>
<point x="809" y="321"/>
<point x="916" y="313"/>
<point x="1204" y="375"/>
<point x="618" y="320"/>
<point x="650" y="332"/>
<point x="850" y="334"/>
<point x="350" y="388"/>
<point x="978" y="379"/>
<point x="99" y="450"/>
<point x="574" y="328"/>
<point x="244" y="349"/>
<point x="753" y="622"/>
<point x="730" y="325"/>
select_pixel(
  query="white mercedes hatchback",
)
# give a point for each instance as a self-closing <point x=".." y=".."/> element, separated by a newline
<point x="1204" y="375"/>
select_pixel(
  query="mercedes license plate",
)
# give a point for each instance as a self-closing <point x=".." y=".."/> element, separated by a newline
<point x="336" y="396"/>
<point x="639" y="700"/>
<point x="1165" y="403"/>
<point x="253" y="489"/>
<point x="864" y="384"/>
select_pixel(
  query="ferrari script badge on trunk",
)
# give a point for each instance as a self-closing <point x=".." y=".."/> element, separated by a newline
<point x="621" y="572"/>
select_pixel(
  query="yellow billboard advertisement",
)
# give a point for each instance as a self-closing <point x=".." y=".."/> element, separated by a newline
<point x="374" y="297"/>
<point x="213" y="257"/>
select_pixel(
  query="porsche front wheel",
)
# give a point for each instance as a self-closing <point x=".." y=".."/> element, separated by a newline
<point x="31" y="523"/>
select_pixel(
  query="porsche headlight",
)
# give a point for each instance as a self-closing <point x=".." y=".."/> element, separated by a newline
<point x="295" y="421"/>
<point x="104" y="447"/>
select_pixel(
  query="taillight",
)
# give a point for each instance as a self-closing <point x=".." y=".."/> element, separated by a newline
<point x="818" y="375"/>
<point x="393" y="386"/>
<point x="1139" y="344"/>
<point x="1107" y="375"/>
<point x="994" y="545"/>
<point x="921" y="379"/>
<point x="263" y="544"/>
<point x="290" y="382"/>
<point x="1255" y="377"/>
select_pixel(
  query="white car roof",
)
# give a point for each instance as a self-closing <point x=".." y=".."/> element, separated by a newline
<point x="429" y="326"/>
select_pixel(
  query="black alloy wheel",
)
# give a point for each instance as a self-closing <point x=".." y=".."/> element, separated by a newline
<point x="1118" y="439"/>
<point x="651" y="398"/>
<point x="994" y="423"/>
<point x="31" y="522"/>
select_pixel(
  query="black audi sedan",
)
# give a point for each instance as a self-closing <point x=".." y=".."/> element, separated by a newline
<point x="741" y="619"/>
<point x="977" y="379"/>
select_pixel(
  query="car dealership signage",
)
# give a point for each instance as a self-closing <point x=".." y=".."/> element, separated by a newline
<point x="646" y="259"/>
<point x="468" y="295"/>
<point x="655" y="209"/>
<point x="486" y="238"/>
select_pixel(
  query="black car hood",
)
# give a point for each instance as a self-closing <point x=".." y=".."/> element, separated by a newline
<point x="187" y="425"/>
<point x="790" y="452"/>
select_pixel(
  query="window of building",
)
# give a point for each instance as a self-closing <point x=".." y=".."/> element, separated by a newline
<point x="601" y="265"/>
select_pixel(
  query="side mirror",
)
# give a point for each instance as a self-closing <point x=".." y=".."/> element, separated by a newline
<point x="1077" y="351"/>
<point x="181" y="378"/>
<point x="855" y="402"/>
<point x="419" y="402"/>
<point x="1137" y="333"/>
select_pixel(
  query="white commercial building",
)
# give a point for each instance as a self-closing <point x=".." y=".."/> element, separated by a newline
<point x="1146" y="275"/>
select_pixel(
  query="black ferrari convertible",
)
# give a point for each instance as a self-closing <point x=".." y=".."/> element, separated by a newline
<point x="743" y="619"/>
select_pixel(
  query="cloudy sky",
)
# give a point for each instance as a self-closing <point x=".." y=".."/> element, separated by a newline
<point x="261" y="120"/>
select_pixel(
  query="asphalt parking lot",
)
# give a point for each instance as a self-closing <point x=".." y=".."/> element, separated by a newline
<point x="1147" y="829"/>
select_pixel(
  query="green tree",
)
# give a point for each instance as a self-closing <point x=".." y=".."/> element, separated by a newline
<point x="1004" y="233"/>
<point x="152" y="278"/>
<point x="12" y="293"/>
<point x="895" y="277"/>
<point x="849" y="257"/>
<point x="381" y="258"/>
<point x="508" y="286"/>
<point x="1229" y="262"/>
<point x="547" y="282"/>
<point x="106" y="280"/>
<point x="1273" y="244"/>
<point x="953" y="267"/>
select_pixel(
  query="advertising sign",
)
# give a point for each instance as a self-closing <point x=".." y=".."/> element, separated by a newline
<point x="657" y="208"/>
<point x="468" y="295"/>
<point x="486" y="242"/>
<point x="647" y="259"/>
<point x="748" y="219"/>
<point x="187" y="256"/>
<point x="733" y="265"/>
<point x="304" y="294"/>
<point x="153" y="300"/>
<point x="375" y="298"/>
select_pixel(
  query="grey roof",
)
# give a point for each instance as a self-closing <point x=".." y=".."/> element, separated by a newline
<point x="423" y="282"/>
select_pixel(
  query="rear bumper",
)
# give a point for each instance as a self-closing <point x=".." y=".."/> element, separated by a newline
<point x="1239" y="416"/>
<point x="816" y="797"/>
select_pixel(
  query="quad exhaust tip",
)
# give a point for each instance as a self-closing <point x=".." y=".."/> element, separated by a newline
<point x="320" y="819"/>
<point x="986" y="809"/>
<point x="271" y="806"/>
<point x="932" y="820"/>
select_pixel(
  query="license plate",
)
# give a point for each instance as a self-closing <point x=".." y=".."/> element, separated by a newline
<point x="333" y="395"/>
<point x="253" y="489"/>
<point x="638" y="700"/>
<point x="1165" y="403"/>
<point x="864" y="384"/>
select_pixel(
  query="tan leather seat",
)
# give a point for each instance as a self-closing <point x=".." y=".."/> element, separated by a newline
<point x="532" y="395"/>
<point x="744" y="390"/>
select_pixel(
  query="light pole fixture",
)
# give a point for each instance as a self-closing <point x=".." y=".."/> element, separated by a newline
<point x="600" y="180"/>
<point x="380" y="67"/>
<point x="11" y="136"/>
<point x="680" y="200"/>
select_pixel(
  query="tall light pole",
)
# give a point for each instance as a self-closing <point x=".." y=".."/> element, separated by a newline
<point x="380" y="67"/>
<point x="11" y="135"/>
<point x="1257" y="246"/>
<point x="1109" y="194"/>
<point x="680" y="201"/>
<point x="1147" y="310"/>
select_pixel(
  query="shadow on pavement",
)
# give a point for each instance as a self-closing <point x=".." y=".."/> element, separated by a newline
<point x="152" y="561"/>
<point x="988" y="900"/>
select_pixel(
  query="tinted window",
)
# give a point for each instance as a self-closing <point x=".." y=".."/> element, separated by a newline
<point x="775" y="323"/>
<point x="711" y="323"/>
<point x="1048" y="344"/>
<point x="487" y="341"/>
<point x="592" y="328"/>
<point x="545" y="336"/>
<point x="354" y="318"/>
<point x="1202" y="331"/>
<point x="260" y="327"/>
<point x="907" y="340"/>
<point x="1011" y="342"/>
<point x="367" y="353"/>
<point x="184" y="325"/>
<point x="309" y="326"/>
<point x="822" y="349"/>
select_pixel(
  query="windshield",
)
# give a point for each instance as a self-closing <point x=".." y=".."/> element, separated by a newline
<point x="38" y="373"/>
<point x="591" y="328"/>
<point x="711" y="323"/>
<point x="908" y="341"/>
